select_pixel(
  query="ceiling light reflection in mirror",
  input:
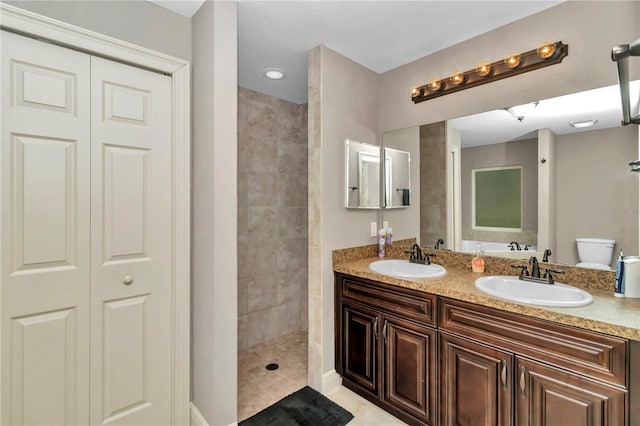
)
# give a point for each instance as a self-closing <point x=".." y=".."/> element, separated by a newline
<point x="602" y="104"/>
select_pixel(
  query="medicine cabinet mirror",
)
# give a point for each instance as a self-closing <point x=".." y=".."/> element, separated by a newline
<point x="397" y="178"/>
<point x="362" y="175"/>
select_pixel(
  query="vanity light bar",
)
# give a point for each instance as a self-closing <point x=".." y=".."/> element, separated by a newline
<point x="546" y="54"/>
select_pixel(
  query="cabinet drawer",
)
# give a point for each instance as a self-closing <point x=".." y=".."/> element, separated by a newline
<point x="406" y="302"/>
<point x="582" y="351"/>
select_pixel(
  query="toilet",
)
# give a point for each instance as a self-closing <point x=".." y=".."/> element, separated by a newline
<point x="595" y="253"/>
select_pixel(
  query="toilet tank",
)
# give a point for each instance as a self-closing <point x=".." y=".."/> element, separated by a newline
<point x="595" y="250"/>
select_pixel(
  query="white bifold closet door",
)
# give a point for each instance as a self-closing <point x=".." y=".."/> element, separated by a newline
<point x="86" y="197"/>
<point x="131" y="256"/>
<point x="45" y="233"/>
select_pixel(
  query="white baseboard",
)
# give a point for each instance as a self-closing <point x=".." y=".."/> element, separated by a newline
<point x="330" y="380"/>
<point x="197" y="419"/>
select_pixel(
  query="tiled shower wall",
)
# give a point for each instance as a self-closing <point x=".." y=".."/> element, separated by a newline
<point x="272" y="217"/>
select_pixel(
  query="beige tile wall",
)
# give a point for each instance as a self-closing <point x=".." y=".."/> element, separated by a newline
<point x="433" y="183"/>
<point x="272" y="217"/>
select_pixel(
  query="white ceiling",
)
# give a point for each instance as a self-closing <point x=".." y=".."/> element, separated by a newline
<point x="384" y="34"/>
<point x="497" y="126"/>
<point x="186" y="8"/>
<point x="381" y="35"/>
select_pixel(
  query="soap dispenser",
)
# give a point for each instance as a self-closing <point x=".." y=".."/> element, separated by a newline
<point x="477" y="263"/>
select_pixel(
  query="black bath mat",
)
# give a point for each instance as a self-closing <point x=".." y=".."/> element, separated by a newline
<point x="305" y="407"/>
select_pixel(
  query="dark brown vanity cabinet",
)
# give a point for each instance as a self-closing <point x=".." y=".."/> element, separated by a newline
<point x="409" y="368"/>
<point x="498" y="368"/>
<point x="476" y="388"/>
<point x="478" y="366"/>
<point x="359" y="343"/>
<point x="551" y="396"/>
<point x="386" y="347"/>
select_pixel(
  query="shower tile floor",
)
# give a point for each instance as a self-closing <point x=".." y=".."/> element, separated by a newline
<point x="258" y="387"/>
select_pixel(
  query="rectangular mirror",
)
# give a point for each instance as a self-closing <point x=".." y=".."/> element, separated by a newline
<point x="362" y="175"/>
<point x="397" y="179"/>
<point x="593" y="193"/>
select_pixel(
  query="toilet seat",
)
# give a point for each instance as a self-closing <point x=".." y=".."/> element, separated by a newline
<point x="594" y="266"/>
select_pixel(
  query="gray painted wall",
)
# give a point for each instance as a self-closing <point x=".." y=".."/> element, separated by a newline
<point x="517" y="153"/>
<point x="342" y="105"/>
<point x="597" y="194"/>
<point x="433" y="183"/>
<point x="139" y="22"/>
<point x="214" y="312"/>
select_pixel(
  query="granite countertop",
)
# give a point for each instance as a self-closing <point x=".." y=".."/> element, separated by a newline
<point x="607" y="314"/>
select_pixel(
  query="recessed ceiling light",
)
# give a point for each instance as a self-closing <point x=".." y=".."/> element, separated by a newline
<point x="274" y="74"/>
<point x="585" y="123"/>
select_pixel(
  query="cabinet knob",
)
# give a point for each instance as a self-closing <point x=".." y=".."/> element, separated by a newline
<point x="128" y="279"/>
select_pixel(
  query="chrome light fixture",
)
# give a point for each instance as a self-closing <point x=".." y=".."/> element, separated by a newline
<point x="584" y="123"/>
<point x="519" y="112"/>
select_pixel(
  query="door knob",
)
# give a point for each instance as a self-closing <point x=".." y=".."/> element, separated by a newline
<point x="128" y="279"/>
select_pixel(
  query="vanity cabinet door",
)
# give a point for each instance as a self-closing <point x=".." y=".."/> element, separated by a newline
<point x="550" y="396"/>
<point x="476" y="383"/>
<point x="409" y="368"/>
<point x="359" y="350"/>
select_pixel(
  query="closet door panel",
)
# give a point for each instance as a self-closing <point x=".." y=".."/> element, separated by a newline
<point x="44" y="230"/>
<point x="131" y="205"/>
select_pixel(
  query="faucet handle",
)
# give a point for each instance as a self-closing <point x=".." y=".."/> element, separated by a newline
<point x="412" y="253"/>
<point x="548" y="276"/>
<point x="427" y="260"/>
<point x="548" y="271"/>
<point x="524" y="271"/>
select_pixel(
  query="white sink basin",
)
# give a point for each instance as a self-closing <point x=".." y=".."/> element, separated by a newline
<point x="511" y="288"/>
<point x="405" y="269"/>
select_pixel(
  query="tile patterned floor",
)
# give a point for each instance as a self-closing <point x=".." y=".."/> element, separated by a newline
<point x="258" y="387"/>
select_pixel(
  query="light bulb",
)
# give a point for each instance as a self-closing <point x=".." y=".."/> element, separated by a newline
<point x="546" y="49"/>
<point x="435" y="85"/>
<point x="415" y="92"/>
<point x="513" y="60"/>
<point x="457" y="78"/>
<point x="483" y="69"/>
